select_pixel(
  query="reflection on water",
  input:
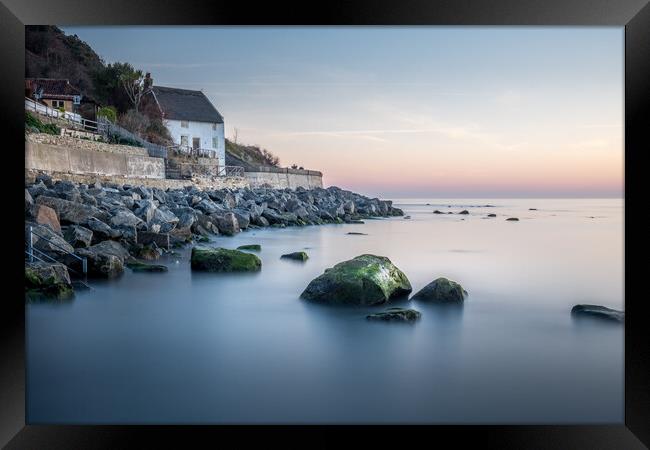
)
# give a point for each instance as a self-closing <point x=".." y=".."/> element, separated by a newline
<point x="184" y="347"/>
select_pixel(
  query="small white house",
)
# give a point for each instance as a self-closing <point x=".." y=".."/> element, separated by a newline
<point x="192" y="120"/>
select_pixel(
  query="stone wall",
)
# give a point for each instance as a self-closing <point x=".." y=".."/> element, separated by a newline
<point x="216" y="183"/>
<point x="82" y="160"/>
<point x="284" y="178"/>
<point x="85" y="144"/>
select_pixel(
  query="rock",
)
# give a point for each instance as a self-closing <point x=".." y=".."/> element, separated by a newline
<point x="29" y="201"/>
<point x="71" y="212"/>
<point x="253" y="247"/>
<point x="224" y="260"/>
<point x="356" y="233"/>
<point x="148" y="252"/>
<point x="407" y="217"/>
<point x="364" y="280"/>
<point x="600" y="312"/>
<point x="161" y="240"/>
<point x="124" y="217"/>
<point x="296" y="256"/>
<point x="48" y="241"/>
<point x="396" y="315"/>
<point x="512" y="219"/>
<point x="438" y="212"/>
<point x="44" y="215"/>
<point x="101" y="231"/>
<point x="47" y="280"/>
<point x="464" y="211"/>
<point x="491" y="215"/>
<point x="145" y="210"/>
<point x="441" y="290"/>
<point x="105" y="260"/>
<point x="226" y="223"/>
<point x="532" y="209"/>
<point x="261" y="221"/>
<point x="137" y="266"/>
<point x="243" y="218"/>
<point x="78" y="236"/>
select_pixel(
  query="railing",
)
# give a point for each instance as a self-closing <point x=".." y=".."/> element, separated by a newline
<point x="31" y="250"/>
<point x="179" y="149"/>
<point x="31" y="105"/>
<point x="230" y="171"/>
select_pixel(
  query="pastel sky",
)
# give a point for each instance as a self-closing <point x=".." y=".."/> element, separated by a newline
<point x="407" y="111"/>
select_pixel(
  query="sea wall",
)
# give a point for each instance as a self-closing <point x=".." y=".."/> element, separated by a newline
<point x="284" y="178"/>
<point x="97" y="158"/>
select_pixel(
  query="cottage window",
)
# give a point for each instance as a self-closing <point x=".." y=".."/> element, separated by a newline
<point x="185" y="124"/>
<point x="57" y="103"/>
<point x="214" y="126"/>
<point x="185" y="141"/>
<point x="215" y="142"/>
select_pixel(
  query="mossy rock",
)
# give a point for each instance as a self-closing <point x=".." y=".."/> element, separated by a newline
<point x="224" y="260"/>
<point x="364" y="280"/>
<point x="47" y="283"/>
<point x="252" y="247"/>
<point x="396" y="315"/>
<point x="441" y="290"/>
<point x="138" y="266"/>
<point x="296" y="256"/>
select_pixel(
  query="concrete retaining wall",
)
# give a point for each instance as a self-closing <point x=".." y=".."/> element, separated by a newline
<point x="285" y="178"/>
<point x="64" y="159"/>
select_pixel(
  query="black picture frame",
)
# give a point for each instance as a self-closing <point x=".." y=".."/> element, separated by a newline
<point x="634" y="15"/>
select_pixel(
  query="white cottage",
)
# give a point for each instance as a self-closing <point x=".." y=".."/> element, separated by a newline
<point x="192" y="120"/>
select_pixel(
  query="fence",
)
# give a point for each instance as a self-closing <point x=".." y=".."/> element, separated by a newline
<point x="31" y="105"/>
<point x="191" y="151"/>
<point x="35" y="254"/>
<point x="102" y="126"/>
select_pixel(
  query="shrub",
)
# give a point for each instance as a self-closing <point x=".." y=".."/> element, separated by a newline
<point x="108" y="112"/>
<point x="34" y="123"/>
<point x="135" y="122"/>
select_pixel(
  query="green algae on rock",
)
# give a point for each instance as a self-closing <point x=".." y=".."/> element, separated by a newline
<point x="253" y="247"/>
<point x="297" y="256"/>
<point x="224" y="260"/>
<point x="396" y="315"/>
<point x="364" y="280"/>
<point x="441" y="290"/>
<point x="138" y="266"/>
<point x="43" y="280"/>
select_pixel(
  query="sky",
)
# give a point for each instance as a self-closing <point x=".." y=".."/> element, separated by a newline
<point x="428" y="112"/>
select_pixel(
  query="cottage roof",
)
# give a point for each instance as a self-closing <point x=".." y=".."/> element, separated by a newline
<point x="53" y="88"/>
<point x="184" y="104"/>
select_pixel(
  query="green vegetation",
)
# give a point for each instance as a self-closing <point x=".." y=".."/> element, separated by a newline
<point x="138" y="266"/>
<point x="34" y="123"/>
<point x="108" y="112"/>
<point x="254" y="247"/>
<point x="296" y="256"/>
<point x="37" y="286"/>
<point x="224" y="260"/>
<point x="249" y="156"/>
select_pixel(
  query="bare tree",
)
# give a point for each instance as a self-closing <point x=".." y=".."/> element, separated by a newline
<point x="235" y="135"/>
<point x="136" y="85"/>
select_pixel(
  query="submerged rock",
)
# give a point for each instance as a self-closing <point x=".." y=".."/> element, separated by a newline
<point x="396" y="315"/>
<point x="138" y="266"/>
<point x="252" y="247"/>
<point x="441" y="290"/>
<point x="492" y="215"/>
<point x="438" y="212"/>
<point x="464" y="211"/>
<point x="364" y="280"/>
<point x="356" y="233"/>
<point x="512" y="219"/>
<point x="224" y="260"/>
<point x="597" y="311"/>
<point x="297" y="256"/>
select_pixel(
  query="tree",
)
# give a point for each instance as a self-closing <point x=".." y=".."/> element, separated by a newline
<point x="235" y="135"/>
<point x="136" y="84"/>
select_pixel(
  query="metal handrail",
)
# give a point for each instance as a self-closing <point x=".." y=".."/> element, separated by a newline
<point x="31" y="249"/>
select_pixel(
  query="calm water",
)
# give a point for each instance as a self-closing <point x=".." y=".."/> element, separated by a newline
<point x="216" y="348"/>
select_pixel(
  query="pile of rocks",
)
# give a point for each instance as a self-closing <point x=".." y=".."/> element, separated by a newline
<point x="111" y="224"/>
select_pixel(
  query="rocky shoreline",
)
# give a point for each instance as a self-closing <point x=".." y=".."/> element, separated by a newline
<point x="120" y="225"/>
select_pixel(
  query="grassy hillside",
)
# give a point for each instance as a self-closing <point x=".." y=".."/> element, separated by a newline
<point x="249" y="156"/>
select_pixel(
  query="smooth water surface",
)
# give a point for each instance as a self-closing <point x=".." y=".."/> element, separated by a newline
<point x="183" y="347"/>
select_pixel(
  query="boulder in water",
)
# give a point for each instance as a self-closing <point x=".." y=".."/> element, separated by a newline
<point x="396" y="315"/>
<point x="224" y="260"/>
<point x="441" y="290"/>
<point x="600" y="312"/>
<point x="364" y="280"/>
